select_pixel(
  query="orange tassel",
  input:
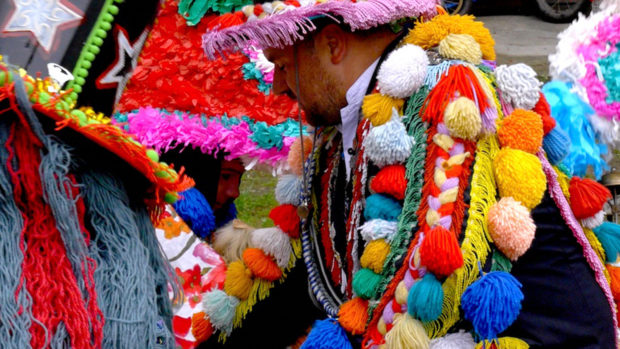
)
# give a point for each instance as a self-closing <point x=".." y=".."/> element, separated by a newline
<point x="201" y="327"/>
<point x="440" y="252"/>
<point x="614" y="280"/>
<point x="353" y="315"/>
<point x="261" y="265"/>
<point x="587" y="197"/>
<point x="390" y="180"/>
<point x="286" y="218"/>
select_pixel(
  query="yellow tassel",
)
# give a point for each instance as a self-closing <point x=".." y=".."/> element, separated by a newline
<point x="374" y="255"/>
<point x="377" y="108"/>
<point x="401" y="293"/>
<point x="407" y="333"/>
<point x="462" y="118"/>
<point x="520" y="175"/>
<point x="238" y="280"/>
<point x="461" y="46"/>
<point x="504" y="343"/>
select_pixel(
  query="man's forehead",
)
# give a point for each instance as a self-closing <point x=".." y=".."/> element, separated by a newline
<point x="273" y="53"/>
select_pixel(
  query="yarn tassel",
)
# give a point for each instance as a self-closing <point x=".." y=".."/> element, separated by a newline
<point x="407" y="333"/>
<point x="614" y="281"/>
<point x="609" y="235"/>
<point x="587" y="197"/>
<point x="425" y="299"/>
<point x="353" y="315"/>
<point x="195" y="210"/>
<point x="440" y="252"/>
<point x="327" y="334"/>
<point x="557" y="145"/>
<point x="377" y="108"/>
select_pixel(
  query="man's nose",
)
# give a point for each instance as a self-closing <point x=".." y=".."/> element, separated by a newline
<point x="232" y="192"/>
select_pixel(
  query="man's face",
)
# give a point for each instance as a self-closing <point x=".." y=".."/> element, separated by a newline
<point x="318" y="88"/>
<point x="228" y="185"/>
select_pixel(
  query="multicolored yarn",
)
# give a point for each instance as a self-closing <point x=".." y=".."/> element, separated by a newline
<point x="259" y="68"/>
<point x="194" y="10"/>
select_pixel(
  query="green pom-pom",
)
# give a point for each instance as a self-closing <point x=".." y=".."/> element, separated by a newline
<point x="5" y="78"/>
<point x="89" y="56"/>
<point x="80" y="80"/>
<point x="77" y="89"/>
<point x="97" y="41"/>
<point x="86" y="64"/>
<point x="29" y="87"/>
<point x="62" y="105"/>
<point x="81" y="116"/>
<point x="113" y="10"/>
<point x="152" y="154"/>
<point x="44" y="98"/>
<point x="106" y="25"/>
<point x="171" y="197"/>
<point x="108" y="17"/>
<point x="365" y="283"/>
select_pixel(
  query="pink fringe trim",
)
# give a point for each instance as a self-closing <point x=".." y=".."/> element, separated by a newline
<point x="284" y="28"/>
<point x="573" y="224"/>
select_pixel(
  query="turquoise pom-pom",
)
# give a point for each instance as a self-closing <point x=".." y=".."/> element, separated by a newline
<point x="425" y="299"/>
<point x="609" y="235"/>
<point x="365" y="283"/>
<point x="195" y="210"/>
<point x="327" y="334"/>
<point x="492" y="303"/>
<point x="220" y="308"/>
<point x="556" y="145"/>
<point x="288" y="190"/>
<point x="382" y="207"/>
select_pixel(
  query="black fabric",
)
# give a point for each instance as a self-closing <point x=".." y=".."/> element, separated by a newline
<point x="563" y="307"/>
<point x="277" y="321"/>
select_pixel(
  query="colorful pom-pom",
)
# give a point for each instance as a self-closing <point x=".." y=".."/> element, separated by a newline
<point x="503" y="343"/>
<point x="365" y="283"/>
<point x="614" y="280"/>
<point x="286" y="218"/>
<point x="195" y="210"/>
<point x="378" y="229"/>
<point x="492" y="303"/>
<point x="521" y="130"/>
<point x="462" y="118"/>
<point x="609" y="235"/>
<point x="403" y="71"/>
<point x="390" y="180"/>
<point x="425" y="299"/>
<point x="220" y="308"/>
<point x="374" y="255"/>
<point x="382" y="207"/>
<point x="353" y="315"/>
<point x="378" y="108"/>
<point x="557" y="145"/>
<point x="520" y="175"/>
<point x="462" y="47"/>
<point x="327" y="334"/>
<point x="288" y="190"/>
<point x="238" y="280"/>
<point x="458" y="340"/>
<point x="518" y="85"/>
<point x="440" y="252"/>
<point x="587" y="197"/>
<point x="275" y="243"/>
<point x="407" y="333"/>
<point x="261" y="265"/>
<point x="201" y="327"/>
<point x="295" y="159"/>
<point x="389" y="143"/>
<point x="511" y="227"/>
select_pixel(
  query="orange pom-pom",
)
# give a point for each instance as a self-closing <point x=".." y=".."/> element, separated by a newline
<point x="286" y="218"/>
<point x="587" y="197"/>
<point x="353" y="315"/>
<point x="261" y="265"/>
<point x="440" y="252"/>
<point x="295" y="160"/>
<point x="390" y="180"/>
<point x="521" y="130"/>
<point x="201" y="327"/>
<point x="544" y="110"/>
<point x="238" y="280"/>
<point x="614" y="280"/>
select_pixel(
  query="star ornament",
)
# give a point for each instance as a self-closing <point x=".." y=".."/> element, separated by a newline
<point x="42" y="18"/>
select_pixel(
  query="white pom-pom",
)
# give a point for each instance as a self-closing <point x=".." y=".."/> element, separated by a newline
<point x="220" y="308"/>
<point x="460" y="340"/>
<point x="519" y="85"/>
<point x="288" y="190"/>
<point x="403" y="72"/>
<point x="273" y="242"/>
<point x="389" y="143"/>
<point x="594" y="221"/>
<point x="378" y="229"/>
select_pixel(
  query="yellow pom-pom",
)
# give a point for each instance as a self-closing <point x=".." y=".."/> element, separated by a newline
<point x="377" y="108"/>
<point x="381" y="327"/>
<point x="353" y="315"/>
<point x="407" y="333"/>
<point x="462" y="118"/>
<point x="374" y="255"/>
<point x="521" y="130"/>
<point x="238" y="280"/>
<point x="429" y="34"/>
<point x="520" y="175"/>
<point x="401" y="294"/>
<point x="461" y="46"/>
<point x="504" y="343"/>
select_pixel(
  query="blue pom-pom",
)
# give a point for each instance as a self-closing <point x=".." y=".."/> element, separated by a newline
<point x="288" y="190"/>
<point x="492" y="303"/>
<point x="382" y="207"/>
<point x="556" y="145"/>
<point x="609" y="235"/>
<point x="425" y="299"/>
<point x="195" y="210"/>
<point x="327" y="334"/>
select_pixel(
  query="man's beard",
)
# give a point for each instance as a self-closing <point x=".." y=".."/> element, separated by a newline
<point x="327" y="111"/>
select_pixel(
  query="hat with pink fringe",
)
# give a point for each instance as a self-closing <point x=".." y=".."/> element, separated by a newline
<point x="279" y="24"/>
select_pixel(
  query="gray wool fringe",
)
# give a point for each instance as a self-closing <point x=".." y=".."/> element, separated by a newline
<point x="126" y="285"/>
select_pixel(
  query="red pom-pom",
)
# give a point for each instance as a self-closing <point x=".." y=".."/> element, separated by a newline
<point x="353" y="315"/>
<point x="261" y="265"/>
<point x="440" y="252"/>
<point x="286" y="218"/>
<point x="544" y="110"/>
<point x="390" y="180"/>
<point x="587" y="197"/>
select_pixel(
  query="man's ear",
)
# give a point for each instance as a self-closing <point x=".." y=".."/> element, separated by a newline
<point x="333" y="40"/>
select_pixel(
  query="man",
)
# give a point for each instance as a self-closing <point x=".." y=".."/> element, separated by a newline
<point x="376" y="99"/>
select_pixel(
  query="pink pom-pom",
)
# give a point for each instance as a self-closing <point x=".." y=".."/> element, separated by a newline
<point x="511" y="227"/>
<point x="295" y="160"/>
